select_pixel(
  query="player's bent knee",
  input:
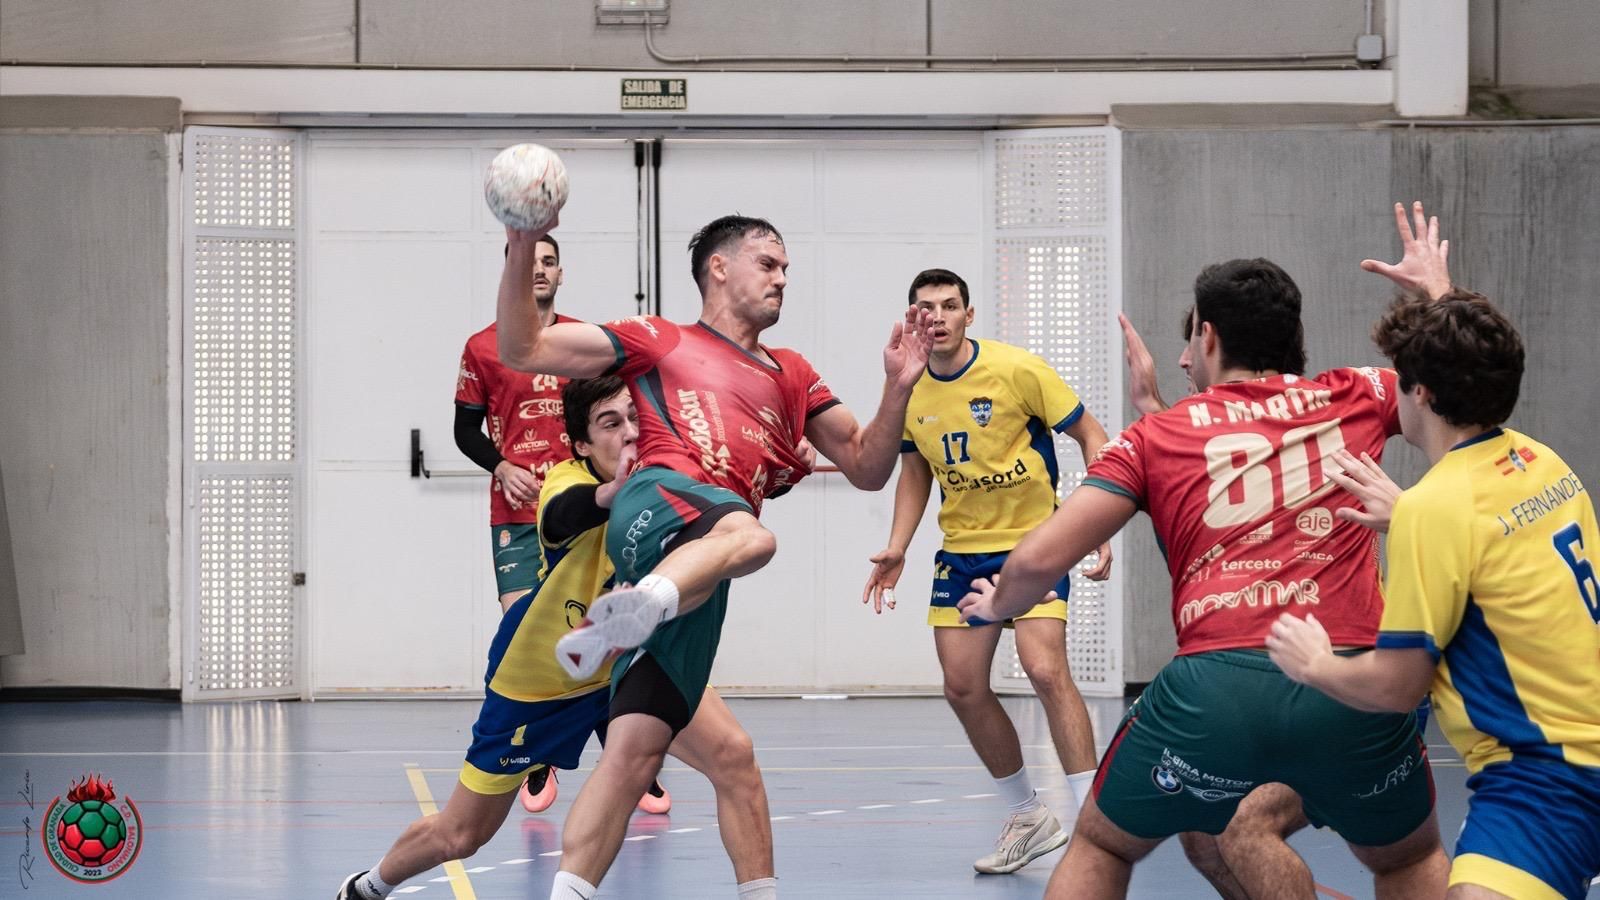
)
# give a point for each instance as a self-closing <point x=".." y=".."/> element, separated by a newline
<point x="961" y="691"/>
<point x="1047" y="677"/>
<point x="1203" y="851"/>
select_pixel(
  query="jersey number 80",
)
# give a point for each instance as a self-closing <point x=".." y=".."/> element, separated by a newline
<point x="1245" y="483"/>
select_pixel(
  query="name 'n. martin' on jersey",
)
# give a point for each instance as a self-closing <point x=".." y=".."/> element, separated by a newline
<point x="522" y="658"/>
<point x="1234" y="478"/>
<point x="713" y="411"/>
<point x="986" y="432"/>
<point x="1492" y="570"/>
<point x="524" y="413"/>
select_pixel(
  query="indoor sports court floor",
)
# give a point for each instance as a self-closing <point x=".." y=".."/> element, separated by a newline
<point x="870" y="798"/>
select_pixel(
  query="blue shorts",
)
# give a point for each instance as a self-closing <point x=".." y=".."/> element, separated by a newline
<point x="953" y="575"/>
<point x="513" y="737"/>
<point x="516" y="557"/>
<point x="1532" y="829"/>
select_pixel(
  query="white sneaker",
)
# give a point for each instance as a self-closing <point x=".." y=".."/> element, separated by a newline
<point x="1026" y="837"/>
<point x="620" y="620"/>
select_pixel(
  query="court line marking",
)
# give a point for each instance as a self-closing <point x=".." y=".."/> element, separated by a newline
<point x="1324" y="889"/>
<point x="455" y="873"/>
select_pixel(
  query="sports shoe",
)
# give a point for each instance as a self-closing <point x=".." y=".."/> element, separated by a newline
<point x="1026" y="837"/>
<point x="347" y="888"/>
<point x="620" y="620"/>
<point x="656" y="800"/>
<point x="539" y="790"/>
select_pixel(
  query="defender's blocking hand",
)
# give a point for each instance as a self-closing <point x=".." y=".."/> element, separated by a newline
<point x="1424" y="266"/>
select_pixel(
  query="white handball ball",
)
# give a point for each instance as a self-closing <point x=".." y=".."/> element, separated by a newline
<point x="526" y="186"/>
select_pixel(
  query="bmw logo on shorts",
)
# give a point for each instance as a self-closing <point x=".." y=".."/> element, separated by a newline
<point x="1165" y="780"/>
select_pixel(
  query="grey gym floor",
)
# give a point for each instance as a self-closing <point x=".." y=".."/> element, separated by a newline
<point x="870" y="798"/>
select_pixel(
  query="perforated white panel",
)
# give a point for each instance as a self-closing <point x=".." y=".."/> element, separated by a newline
<point x="241" y="286"/>
<point x="243" y="315"/>
<point x="242" y="180"/>
<point x="1054" y="281"/>
<point x="1045" y="182"/>
<point x="246" y="626"/>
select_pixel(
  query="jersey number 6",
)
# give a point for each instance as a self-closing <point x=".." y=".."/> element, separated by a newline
<point x="1568" y="541"/>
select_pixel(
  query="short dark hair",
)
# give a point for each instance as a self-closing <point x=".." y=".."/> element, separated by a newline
<point x="718" y="235"/>
<point x="1459" y="347"/>
<point x="547" y="239"/>
<point x="935" y="277"/>
<point x="1255" y="308"/>
<point x="578" y="399"/>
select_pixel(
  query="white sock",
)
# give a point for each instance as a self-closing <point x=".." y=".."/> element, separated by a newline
<point x="570" y="887"/>
<point x="371" y="886"/>
<point x="1017" y="792"/>
<point x="662" y="591"/>
<point x="1082" y="787"/>
<point x="759" y="889"/>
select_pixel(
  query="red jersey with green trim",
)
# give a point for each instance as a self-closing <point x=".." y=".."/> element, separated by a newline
<point x="713" y="411"/>
<point x="1235" y="480"/>
<point x="524" y="414"/>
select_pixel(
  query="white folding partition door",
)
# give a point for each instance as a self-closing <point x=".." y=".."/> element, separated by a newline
<point x="243" y="633"/>
<point x="403" y="263"/>
<point x="1053" y="232"/>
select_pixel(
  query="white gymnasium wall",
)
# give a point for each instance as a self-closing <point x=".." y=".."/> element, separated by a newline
<point x="401" y="592"/>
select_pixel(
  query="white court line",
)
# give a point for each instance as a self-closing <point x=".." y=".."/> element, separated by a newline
<point x="826" y="812"/>
<point x="934" y="800"/>
<point x="551" y="853"/>
<point x="781" y="818"/>
<point x="681" y="830"/>
<point x="515" y="862"/>
<point x="440" y="878"/>
<point x="876" y="806"/>
<point x="975" y="796"/>
<point x="412" y="889"/>
<point x="476" y="869"/>
<point x="641" y="837"/>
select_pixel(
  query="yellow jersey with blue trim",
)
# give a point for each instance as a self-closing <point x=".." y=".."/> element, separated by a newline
<point x="1492" y="570"/>
<point x="522" y="659"/>
<point x="987" y="434"/>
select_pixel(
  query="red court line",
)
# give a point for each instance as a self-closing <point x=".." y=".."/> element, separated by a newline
<point x="1324" y="889"/>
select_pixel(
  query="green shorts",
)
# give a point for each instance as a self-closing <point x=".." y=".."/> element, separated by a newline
<point x="516" y="557"/>
<point x="657" y="510"/>
<point x="1213" y="726"/>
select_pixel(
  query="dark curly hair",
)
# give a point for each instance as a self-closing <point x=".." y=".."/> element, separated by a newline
<point x="1255" y="308"/>
<point x="1459" y="347"/>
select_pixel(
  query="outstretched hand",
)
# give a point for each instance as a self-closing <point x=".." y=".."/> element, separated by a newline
<point x="1142" y="387"/>
<point x="1370" y="484"/>
<point x="1424" y="266"/>
<point x="906" y="356"/>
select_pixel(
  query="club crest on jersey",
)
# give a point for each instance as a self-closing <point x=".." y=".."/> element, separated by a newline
<point x="982" y="410"/>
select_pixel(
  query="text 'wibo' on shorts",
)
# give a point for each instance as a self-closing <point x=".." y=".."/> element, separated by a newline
<point x="953" y="575"/>
<point x="516" y="557"/>
<point x="511" y="737"/>
<point x="1212" y="726"/>
<point x="656" y="511"/>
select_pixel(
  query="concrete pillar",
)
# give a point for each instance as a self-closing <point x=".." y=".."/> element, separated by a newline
<point x="1431" y="58"/>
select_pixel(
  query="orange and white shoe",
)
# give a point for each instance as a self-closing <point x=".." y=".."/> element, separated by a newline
<point x="656" y="800"/>
<point x="538" y="792"/>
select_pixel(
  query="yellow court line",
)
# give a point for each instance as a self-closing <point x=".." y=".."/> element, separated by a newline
<point x="459" y="882"/>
